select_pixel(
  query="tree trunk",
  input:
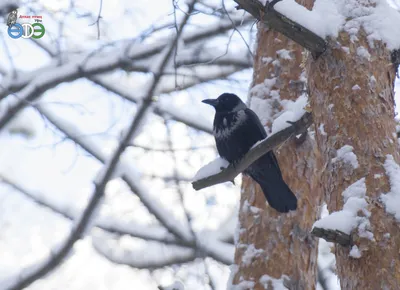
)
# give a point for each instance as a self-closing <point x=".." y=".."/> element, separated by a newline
<point x="272" y="245"/>
<point x="351" y="96"/>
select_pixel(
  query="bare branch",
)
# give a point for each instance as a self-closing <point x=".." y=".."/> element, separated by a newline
<point x="334" y="236"/>
<point x="255" y="153"/>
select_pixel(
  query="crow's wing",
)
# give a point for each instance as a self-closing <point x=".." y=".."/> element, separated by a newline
<point x="254" y="118"/>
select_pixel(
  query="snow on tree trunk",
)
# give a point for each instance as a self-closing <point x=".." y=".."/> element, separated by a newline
<point x="351" y="95"/>
<point x="274" y="248"/>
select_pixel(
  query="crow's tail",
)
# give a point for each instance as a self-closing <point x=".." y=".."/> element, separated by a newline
<point x="265" y="171"/>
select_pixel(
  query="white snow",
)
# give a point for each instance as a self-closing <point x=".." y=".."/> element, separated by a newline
<point x="347" y="219"/>
<point x="277" y="284"/>
<point x="293" y="112"/>
<point x="177" y="285"/>
<point x="379" y="20"/>
<point x="391" y="199"/>
<point x="321" y="129"/>
<point x="363" y="52"/>
<point x="211" y="168"/>
<point x="284" y="54"/>
<point x="346" y="154"/>
<point x="251" y="253"/>
<point x="324" y="19"/>
<point x="233" y="270"/>
<point x="355" y="252"/>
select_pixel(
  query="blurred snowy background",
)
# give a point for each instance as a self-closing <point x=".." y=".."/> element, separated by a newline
<point x="66" y="101"/>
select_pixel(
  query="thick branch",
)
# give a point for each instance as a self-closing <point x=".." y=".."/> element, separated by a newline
<point x="284" y="25"/>
<point x="334" y="236"/>
<point x="255" y="153"/>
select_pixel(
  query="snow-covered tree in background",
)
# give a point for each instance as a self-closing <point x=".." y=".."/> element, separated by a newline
<point x="117" y="83"/>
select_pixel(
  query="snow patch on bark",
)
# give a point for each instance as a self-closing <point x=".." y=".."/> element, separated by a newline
<point x="251" y="253"/>
<point x="346" y="155"/>
<point x="277" y="284"/>
<point x="391" y="199"/>
<point x="293" y="112"/>
<point x="355" y="252"/>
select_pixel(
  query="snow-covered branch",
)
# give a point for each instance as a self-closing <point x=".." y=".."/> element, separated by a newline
<point x="109" y="168"/>
<point x="123" y="55"/>
<point x="127" y="174"/>
<point x="256" y="152"/>
<point x="28" y="87"/>
<point x="283" y="24"/>
<point x="108" y="224"/>
<point x="159" y="256"/>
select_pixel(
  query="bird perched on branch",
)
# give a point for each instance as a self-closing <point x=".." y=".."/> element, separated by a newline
<point x="236" y="129"/>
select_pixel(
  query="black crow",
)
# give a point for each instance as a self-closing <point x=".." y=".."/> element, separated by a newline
<point x="236" y="129"/>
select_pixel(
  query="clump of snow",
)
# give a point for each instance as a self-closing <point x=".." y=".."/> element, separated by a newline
<point x="324" y="19"/>
<point x="277" y="284"/>
<point x="293" y="112"/>
<point x="251" y="253"/>
<point x="263" y="89"/>
<point x="284" y="54"/>
<point x="267" y="60"/>
<point x="355" y="252"/>
<point x="363" y="52"/>
<point x="211" y="168"/>
<point x="281" y="122"/>
<point x="347" y="219"/>
<point x="346" y="155"/>
<point x="392" y="198"/>
<point x="177" y="285"/>
<point x="321" y="129"/>
<point x="356" y="88"/>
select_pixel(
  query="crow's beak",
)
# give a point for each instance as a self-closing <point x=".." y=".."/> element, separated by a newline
<point x="211" y="102"/>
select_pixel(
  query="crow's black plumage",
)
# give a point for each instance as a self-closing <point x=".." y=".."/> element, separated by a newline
<point x="236" y="129"/>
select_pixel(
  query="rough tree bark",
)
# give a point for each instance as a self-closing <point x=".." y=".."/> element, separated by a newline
<point x="271" y="245"/>
<point x="352" y="99"/>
